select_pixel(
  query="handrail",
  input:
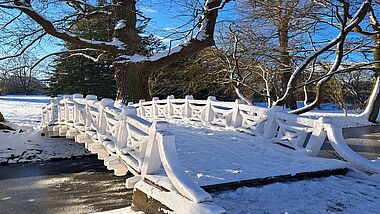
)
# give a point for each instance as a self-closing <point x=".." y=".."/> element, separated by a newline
<point x="236" y="114"/>
<point x="125" y="131"/>
<point x="148" y="143"/>
<point x="335" y="136"/>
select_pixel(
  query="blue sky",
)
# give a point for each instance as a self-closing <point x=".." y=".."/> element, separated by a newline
<point x="165" y="16"/>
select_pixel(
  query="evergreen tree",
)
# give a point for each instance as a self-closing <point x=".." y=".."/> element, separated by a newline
<point x="77" y="74"/>
<point x="81" y="75"/>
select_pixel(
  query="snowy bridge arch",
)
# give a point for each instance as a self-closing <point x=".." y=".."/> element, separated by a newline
<point x="136" y="138"/>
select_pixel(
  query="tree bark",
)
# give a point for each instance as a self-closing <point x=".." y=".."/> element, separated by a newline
<point x="283" y="37"/>
<point x="126" y="16"/>
<point x="132" y="82"/>
<point x="373" y="104"/>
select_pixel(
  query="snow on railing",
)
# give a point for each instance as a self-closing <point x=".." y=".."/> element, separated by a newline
<point x="335" y="135"/>
<point x="296" y="132"/>
<point x="236" y="114"/>
<point x="302" y="133"/>
<point x="144" y="146"/>
<point x="126" y="134"/>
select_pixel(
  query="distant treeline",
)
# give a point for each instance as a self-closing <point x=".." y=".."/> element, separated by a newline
<point x="21" y="85"/>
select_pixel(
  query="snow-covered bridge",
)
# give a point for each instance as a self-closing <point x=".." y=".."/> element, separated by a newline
<point x="178" y="148"/>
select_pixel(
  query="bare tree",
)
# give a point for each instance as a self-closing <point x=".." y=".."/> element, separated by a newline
<point x="132" y="68"/>
<point x="347" y="23"/>
<point x="17" y="75"/>
<point x="311" y="61"/>
<point x="280" y="25"/>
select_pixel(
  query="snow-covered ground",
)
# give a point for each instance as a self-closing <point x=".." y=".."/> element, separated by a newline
<point x="351" y="194"/>
<point x="215" y="155"/>
<point x="354" y="193"/>
<point x="25" y="111"/>
<point x="29" y="145"/>
<point x="334" y="194"/>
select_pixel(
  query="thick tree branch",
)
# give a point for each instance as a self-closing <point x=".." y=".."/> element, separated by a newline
<point x="203" y="39"/>
<point x="111" y="47"/>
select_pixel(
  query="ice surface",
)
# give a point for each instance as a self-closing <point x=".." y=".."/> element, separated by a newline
<point x="23" y="111"/>
<point x="30" y="146"/>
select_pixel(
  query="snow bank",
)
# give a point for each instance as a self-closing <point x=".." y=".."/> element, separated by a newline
<point x="31" y="147"/>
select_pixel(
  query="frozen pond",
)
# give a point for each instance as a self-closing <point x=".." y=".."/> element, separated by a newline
<point x="23" y="110"/>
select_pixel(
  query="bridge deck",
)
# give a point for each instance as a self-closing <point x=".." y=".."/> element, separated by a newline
<point x="213" y="156"/>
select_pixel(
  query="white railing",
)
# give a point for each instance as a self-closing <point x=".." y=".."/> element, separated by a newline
<point x="335" y="136"/>
<point x="126" y="133"/>
<point x="143" y="146"/>
<point x="236" y="114"/>
<point x="299" y="133"/>
<point x="304" y="134"/>
<point x="296" y="132"/>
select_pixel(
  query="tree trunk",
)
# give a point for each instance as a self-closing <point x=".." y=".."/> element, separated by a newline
<point x="373" y="105"/>
<point x="132" y="82"/>
<point x="283" y="37"/>
<point x="126" y="13"/>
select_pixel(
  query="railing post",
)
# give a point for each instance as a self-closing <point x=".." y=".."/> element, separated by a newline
<point x="169" y="107"/>
<point x="104" y="103"/>
<point x="187" y="112"/>
<point x="87" y="118"/>
<point x="77" y="108"/>
<point x="317" y="137"/>
<point x="54" y="110"/>
<point x="123" y="126"/>
<point x="237" y="119"/>
<point x="141" y="110"/>
<point x="67" y="112"/>
<point x="270" y="127"/>
<point x="209" y="113"/>
<point x="60" y="115"/>
<point x="152" y="160"/>
<point x="154" y="107"/>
